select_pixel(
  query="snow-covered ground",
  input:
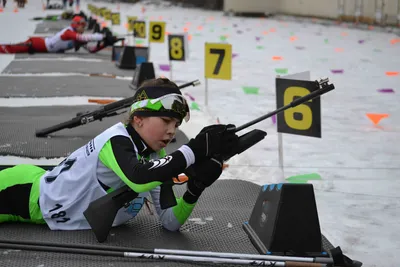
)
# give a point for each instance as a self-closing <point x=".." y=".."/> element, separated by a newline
<point x="357" y="197"/>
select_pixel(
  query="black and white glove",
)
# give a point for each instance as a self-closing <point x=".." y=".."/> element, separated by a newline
<point x="201" y="175"/>
<point x="213" y="140"/>
<point x="110" y="40"/>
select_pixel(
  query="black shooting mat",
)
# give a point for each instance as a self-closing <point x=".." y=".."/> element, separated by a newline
<point x="85" y="67"/>
<point x="104" y="54"/>
<point x="215" y="225"/>
<point x="51" y="86"/>
<point x="18" y="126"/>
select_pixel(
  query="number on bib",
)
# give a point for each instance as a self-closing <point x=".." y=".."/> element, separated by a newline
<point x="59" y="215"/>
<point x="65" y="165"/>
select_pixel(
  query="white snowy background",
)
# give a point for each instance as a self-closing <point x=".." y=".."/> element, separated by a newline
<point x="359" y="163"/>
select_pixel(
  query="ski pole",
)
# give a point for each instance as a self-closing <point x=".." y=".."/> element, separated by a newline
<point x="164" y="257"/>
<point x="327" y="260"/>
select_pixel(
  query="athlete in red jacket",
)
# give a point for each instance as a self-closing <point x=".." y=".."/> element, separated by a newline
<point x="66" y="39"/>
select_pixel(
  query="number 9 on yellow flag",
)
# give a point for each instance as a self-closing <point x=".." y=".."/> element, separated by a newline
<point x="218" y="61"/>
<point x="304" y="119"/>
<point x="157" y="32"/>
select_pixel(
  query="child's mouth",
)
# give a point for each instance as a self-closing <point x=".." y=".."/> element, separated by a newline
<point x="165" y="142"/>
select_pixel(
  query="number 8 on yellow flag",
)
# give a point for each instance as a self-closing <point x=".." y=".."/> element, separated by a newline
<point x="218" y="61"/>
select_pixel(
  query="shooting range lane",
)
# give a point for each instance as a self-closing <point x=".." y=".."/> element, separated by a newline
<point x="51" y="26"/>
<point x="85" y="67"/>
<point x="24" y="143"/>
<point x="104" y="54"/>
<point x="215" y="225"/>
<point x="58" y="86"/>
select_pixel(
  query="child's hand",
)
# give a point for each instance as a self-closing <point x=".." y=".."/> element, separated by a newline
<point x="213" y="140"/>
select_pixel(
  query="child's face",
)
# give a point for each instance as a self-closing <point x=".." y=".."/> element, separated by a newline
<point x="157" y="132"/>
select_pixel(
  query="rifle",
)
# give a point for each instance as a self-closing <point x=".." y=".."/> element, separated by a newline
<point x="98" y="114"/>
<point x="101" y="213"/>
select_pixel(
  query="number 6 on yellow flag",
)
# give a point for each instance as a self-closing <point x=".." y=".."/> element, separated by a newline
<point x="218" y="61"/>
<point x="304" y="119"/>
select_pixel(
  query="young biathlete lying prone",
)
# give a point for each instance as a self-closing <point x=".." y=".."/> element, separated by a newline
<point x="66" y="39"/>
<point x="125" y="154"/>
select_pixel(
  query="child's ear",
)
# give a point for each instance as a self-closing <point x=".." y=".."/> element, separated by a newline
<point x="138" y="120"/>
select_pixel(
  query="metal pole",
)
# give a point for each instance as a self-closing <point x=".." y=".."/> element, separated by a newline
<point x="341" y="9"/>
<point x="206" y="93"/>
<point x="164" y="254"/>
<point x="170" y="70"/>
<point x="164" y="257"/>
<point x="280" y="153"/>
<point x="398" y="13"/>
<point x="378" y="12"/>
<point x="358" y="10"/>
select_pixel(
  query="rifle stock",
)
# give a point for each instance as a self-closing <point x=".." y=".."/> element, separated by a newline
<point x="101" y="213"/>
<point x="167" y="196"/>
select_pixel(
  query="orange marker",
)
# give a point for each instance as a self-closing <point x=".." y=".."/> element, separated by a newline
<point x="182" y="178"/>
<point x="101" y="101"/>
<point x="376" y="118"/>
<point x="277" y="58"/>
<point x="339" y="50"/>
<point x="392" y="73"/>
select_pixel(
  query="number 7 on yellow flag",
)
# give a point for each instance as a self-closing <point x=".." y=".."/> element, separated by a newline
<point x="218" y="61"/>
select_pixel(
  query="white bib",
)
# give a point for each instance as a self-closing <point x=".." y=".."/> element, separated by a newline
<point x="68" y="189"/>
<point x="55" y="44"/>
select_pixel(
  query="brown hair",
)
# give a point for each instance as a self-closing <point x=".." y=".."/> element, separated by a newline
<point x="159" y="82"/>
